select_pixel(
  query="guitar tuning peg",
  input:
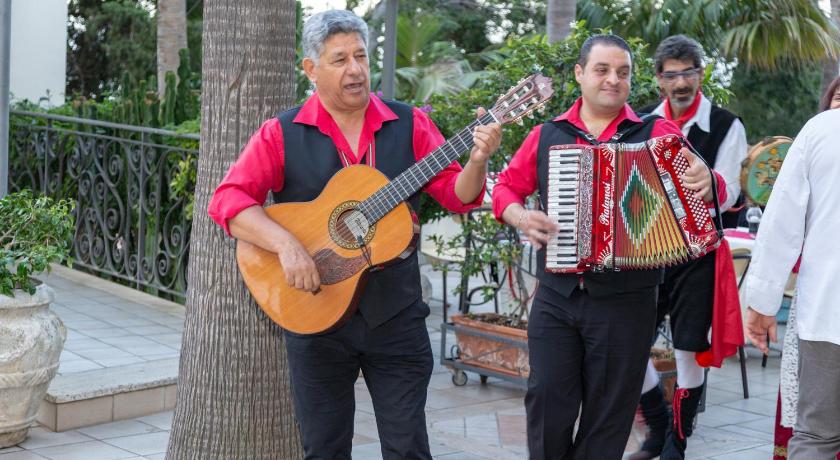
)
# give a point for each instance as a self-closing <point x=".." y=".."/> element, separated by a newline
<point x="531" y="115"/>
<point x="519" y="121"/>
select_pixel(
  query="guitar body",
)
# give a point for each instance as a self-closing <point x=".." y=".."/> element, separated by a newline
<point x="343" y="268"/>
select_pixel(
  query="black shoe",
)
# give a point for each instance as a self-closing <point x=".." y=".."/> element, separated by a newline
<point x="656" y="415"/>
<point x="685" y="405"/>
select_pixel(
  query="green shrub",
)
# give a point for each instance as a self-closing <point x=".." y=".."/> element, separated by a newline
<point x="33" y="233"/>
<point x="521" y="57"/>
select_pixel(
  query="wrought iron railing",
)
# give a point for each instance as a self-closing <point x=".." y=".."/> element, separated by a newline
<point x="133" y="187"/>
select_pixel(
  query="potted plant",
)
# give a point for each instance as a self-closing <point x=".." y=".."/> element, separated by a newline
<point x="491" y="341"/>
<point x="34" y="232"/>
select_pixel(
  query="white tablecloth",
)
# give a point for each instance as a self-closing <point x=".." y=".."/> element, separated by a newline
<point x="739" y="238"/>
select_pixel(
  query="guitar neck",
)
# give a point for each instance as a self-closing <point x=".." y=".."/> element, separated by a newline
<point x="414" y="178"/>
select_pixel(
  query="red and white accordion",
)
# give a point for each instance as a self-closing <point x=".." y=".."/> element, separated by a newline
<point x="623" y="207"/>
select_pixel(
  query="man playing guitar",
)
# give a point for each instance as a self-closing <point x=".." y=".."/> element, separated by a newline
<point x="294" y="155"/>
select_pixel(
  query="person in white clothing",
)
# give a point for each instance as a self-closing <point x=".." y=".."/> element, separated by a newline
<point x="801" y="216"/>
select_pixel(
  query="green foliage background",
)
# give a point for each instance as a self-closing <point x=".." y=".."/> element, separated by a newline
<point x="106" y="39"/>
<point x="33" y="233"/>
<point x="521" y="57"/>
<point x="775" y="103"/>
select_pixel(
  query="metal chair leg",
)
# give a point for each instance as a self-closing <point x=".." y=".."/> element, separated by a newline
<point x="743" y="359"/>
<point x="764" y="358"/>
<point x="445" y="304"/>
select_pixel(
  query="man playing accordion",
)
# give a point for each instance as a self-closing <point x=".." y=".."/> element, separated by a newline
<point x="588" y="334"/>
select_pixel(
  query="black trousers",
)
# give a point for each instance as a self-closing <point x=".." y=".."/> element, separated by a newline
<point x="588" y="357"/>
<point x="396" y="361"/>
<point x="688" y="294"/>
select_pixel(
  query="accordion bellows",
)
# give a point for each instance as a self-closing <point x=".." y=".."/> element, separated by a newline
<point x="623" y="207"/>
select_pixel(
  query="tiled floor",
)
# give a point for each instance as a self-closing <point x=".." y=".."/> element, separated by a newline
<point x="107" y="329"/>
<point x="472" y="422"/>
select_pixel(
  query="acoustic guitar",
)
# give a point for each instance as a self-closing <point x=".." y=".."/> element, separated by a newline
<point x="359" y="223"/>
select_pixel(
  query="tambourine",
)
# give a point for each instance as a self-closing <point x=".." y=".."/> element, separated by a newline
<point x="761" y="167"/>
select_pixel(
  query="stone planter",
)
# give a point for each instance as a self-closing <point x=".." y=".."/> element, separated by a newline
<point x="31" y="340"/>
<point x="486" y="353"/>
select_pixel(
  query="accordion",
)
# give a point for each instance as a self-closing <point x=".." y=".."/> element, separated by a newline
<point x="623" y="207"/>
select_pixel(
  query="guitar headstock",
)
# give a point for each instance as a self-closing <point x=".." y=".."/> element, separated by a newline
<point x="528" y="95"/>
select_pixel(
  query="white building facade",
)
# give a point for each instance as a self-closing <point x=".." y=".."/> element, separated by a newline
<point x="38" y="67"/>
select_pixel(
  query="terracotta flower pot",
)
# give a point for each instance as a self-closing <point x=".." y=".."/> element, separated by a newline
<point x="31" y="340"/>
<point x="492" y="354"/>
<point x="666" y="365"/>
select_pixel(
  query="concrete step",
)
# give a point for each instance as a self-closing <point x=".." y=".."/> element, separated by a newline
<point x="104" y="395"/>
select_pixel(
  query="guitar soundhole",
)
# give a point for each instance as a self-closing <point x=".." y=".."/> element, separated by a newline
<point x="347" y="224"/>
<point x="344" y="231"/>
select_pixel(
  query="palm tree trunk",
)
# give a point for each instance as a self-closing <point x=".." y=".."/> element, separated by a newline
<point x="233" y="399"/>
<point x="559" y="16"/>
<point x="171" y="38"/>
<point x="831" y="68"/>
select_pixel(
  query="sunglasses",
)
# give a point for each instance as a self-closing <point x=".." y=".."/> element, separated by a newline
<point x="689" y="74"/>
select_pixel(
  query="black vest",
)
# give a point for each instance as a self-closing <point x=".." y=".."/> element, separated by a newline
<point x="598" y="284"/>
<point x="708" y="144"/>
<point x="312" y="159"/>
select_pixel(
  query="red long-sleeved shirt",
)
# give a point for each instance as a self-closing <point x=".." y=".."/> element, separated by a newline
<point x="260" y="165"/>
<point x="519" y="180"/>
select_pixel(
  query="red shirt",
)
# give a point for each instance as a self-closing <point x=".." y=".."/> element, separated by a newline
<point x="519" y="180"/>
<point x="260" y="165"/>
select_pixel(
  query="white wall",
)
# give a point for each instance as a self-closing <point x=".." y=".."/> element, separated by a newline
<point x="39" y="50"/>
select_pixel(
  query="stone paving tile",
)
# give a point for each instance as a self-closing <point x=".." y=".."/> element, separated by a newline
<point x="40" y="437"/>
<point x="106" y="333"/>
<point x="370" y="451"/>
<point x="756" y="453"/>
<point x="716" y="416"/>
<point x="161" y="420"/>
<point x="21" y="455"/>
<point x="755" y="405"/>
<point x="77" y="344"/>
<point x="472" y="422"/>
<point x="77" y="366"/>
<point x="142" y="444"/>
<point x="709" y="442"/>
<point x="118" y="429"/>
<point x="145" y="331"/>
<point x="749" y="433"/>
<point x="92" y="450"/>
<point x="104" y="352"/>
<point x="172" y="353"/>
<point x="116" y="362"/>
<point x="172" y="340"/>
<point x="68" y="356"/>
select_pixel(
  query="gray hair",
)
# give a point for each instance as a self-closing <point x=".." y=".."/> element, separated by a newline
<point x="321" y="26"/>
<point x="680" y="48"/>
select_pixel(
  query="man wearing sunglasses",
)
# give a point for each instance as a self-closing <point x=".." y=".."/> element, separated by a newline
<point x="687" y="293"/>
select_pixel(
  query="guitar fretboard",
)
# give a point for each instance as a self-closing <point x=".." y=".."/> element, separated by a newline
<point x="414" y="178"/>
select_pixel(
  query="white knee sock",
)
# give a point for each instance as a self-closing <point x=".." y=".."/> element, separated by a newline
<point x="689" y="373"/>
<point x="651" y="377"/>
